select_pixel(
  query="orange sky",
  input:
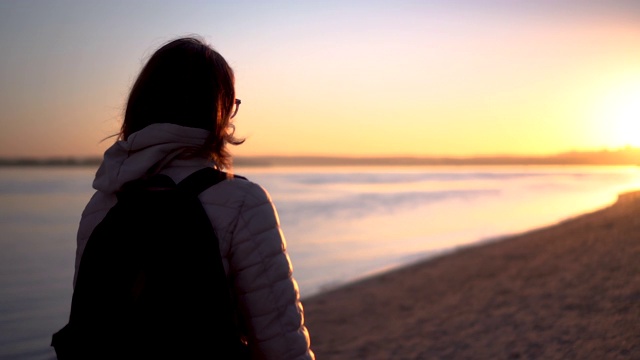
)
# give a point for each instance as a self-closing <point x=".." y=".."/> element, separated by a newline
<point x="341" y="78"/>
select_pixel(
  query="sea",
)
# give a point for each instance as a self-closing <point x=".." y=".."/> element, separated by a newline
<point x="341" y="224"/>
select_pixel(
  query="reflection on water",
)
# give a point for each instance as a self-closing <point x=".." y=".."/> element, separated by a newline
<point x="340" y="224"/>
<point x="343" y="223"/>
<point x="39" y="213"/>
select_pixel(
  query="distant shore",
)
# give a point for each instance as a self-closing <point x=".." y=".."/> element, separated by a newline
<point x="625" y="156"/>
<point x="568" y="291"/>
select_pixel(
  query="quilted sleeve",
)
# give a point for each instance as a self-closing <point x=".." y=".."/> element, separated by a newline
<point x="267" y="293"/>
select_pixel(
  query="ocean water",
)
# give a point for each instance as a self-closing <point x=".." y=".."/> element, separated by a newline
<point x="341" y="224"/>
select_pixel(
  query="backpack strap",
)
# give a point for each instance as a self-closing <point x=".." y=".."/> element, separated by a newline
<point x="193" y="185"/>
<point x="203" y="179"/>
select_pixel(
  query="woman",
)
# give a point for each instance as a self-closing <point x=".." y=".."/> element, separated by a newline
<point x="177" y="121"/>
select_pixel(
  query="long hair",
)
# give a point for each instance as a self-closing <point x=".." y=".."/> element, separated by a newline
<point x="187" y="83"/>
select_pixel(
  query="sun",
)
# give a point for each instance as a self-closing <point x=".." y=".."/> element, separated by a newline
<point x="620" y="116"/>
<point x="626" y="119"/>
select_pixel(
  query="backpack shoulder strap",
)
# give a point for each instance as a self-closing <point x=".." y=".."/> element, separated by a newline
<point x="203" y="179"/>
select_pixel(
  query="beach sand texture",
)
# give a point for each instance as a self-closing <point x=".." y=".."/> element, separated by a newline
<point x="568" y="291"/>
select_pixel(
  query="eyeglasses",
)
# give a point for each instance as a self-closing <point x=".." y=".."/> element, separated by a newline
<point x="236" y="104"/>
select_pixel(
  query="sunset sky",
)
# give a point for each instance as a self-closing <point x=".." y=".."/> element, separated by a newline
<point x="449" y="77"/>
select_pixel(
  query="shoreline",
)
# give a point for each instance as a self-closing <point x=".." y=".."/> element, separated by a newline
<point x="568" y="290"/>
<point x="444" y="252"/>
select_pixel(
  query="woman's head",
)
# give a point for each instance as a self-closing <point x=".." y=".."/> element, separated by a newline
<point x="187" y="83"/>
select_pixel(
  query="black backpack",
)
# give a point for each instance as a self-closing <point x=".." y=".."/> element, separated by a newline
<point x="151" y="284"/>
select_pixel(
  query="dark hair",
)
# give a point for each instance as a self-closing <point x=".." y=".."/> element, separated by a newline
<point x="187" y="83"/>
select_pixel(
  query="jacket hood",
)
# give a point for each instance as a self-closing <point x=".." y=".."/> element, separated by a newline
<point x="145" y="152"/>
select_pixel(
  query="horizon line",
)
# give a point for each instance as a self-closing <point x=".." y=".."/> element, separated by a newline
<point x="623" y="149"/>
<point x="623" y="156"/>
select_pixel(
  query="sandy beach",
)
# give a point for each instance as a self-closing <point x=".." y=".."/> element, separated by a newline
<point x="567" y="291"/>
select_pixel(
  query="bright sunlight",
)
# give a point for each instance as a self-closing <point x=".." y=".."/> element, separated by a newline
<point x="626" y="118"/>
<point x="619" y="115"/>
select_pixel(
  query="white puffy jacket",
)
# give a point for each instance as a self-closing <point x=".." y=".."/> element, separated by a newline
<point x="251" y="243"/>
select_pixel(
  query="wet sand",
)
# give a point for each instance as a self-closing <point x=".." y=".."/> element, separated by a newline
<point x="568" y="291"/>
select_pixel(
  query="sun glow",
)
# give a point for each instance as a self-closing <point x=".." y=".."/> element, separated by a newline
<point x="620" y="115"/>
<point x="626" y="119"/>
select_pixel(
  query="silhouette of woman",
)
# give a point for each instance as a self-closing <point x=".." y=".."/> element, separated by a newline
<point x="178" y="121"/>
